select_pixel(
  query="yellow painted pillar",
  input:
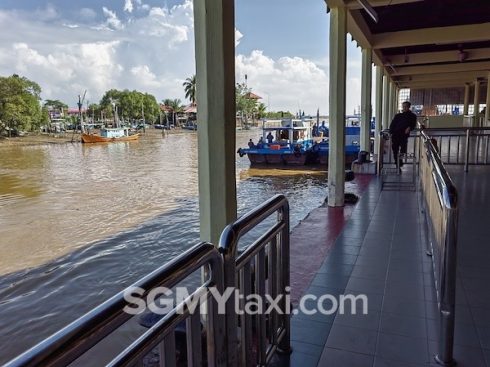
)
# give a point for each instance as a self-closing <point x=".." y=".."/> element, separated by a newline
<point x="379" y="107"/>
<point x="487" y="103"/>
<point x="366" y="85"/>
<point x="386" y="98"/>
<point x="214" y="22"/>
<point x="466" y="106"/>
<point x="336" y="152"/>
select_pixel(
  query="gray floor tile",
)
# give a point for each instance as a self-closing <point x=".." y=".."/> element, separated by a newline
<point x="308" y="331"/>
<point x="368" y="321"/>
<point x="381" y="362"/>
<point x="305" y="348"/>
<point x="341" y="358"/>
<point x="402" y="348"/>
<point x="464" y="356"/>
<point x="352" y="339"/>
<point x="376" y="286"/>
<point x="404" y="306"/>
<point x="403" y="325"/>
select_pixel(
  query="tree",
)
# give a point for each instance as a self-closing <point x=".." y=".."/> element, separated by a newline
<point x="19" y="103"/>
<point x="261" y="110"/>
<point x="245" y="106"/>
<point x="132" y="105"/>
<point x="174" y="104"/>
<point x="190" y="88"/>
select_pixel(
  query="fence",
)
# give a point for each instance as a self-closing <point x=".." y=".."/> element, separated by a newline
<point x="462" y="146"/>
<point x="440" y="199"/>
<point x="262" y="269"/>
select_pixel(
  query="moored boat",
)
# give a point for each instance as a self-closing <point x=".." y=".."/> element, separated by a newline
<point x="108" y="135"/>
<point x="290" y="142"/>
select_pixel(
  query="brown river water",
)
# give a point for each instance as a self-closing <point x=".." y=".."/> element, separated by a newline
<point x="79" y="223"/>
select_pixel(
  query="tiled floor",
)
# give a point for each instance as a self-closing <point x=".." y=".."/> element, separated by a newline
<point x="381" y="253"/>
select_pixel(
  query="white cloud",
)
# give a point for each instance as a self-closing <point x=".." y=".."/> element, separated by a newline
<point x="112" y="21"/>
<point x="88" y="14"/>
<point x="151" y="50"/>
<point x="128" y="6"/>
<point x="238" y="37"/>
<point x="289" y="83"/>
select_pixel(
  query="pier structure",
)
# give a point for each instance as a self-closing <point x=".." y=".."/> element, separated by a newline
<point x="415" y="244"/>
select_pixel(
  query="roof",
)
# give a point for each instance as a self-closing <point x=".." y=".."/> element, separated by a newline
<point x="192" y="108"/>
<point x="251" y="95"/>
<point x="424" y="44"/>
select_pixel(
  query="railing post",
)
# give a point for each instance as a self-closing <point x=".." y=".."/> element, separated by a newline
<point x="381" y="148"/>
<point x="283" y="215"/>
<point x="448" y="291"/>
<point x="467" y="151"/>
<point x="231" y="316"/>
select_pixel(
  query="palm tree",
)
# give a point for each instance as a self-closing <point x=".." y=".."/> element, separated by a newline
<point x="190" y="88"/>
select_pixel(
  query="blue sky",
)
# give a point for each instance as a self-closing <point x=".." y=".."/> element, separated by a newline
<point x="148" y="45"/>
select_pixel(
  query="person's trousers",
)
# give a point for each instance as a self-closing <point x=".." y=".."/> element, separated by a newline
<point x="399" y="145"/>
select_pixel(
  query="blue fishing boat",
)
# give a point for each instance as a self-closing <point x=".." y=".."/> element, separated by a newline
<point x="291" y="142"/>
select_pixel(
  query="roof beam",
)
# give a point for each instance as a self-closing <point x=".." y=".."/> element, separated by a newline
<point x="469" y="75"/>
<point x="436" y="35"/>
<point x="354" y="4"/>
<point x="436" y="57"/>
<point x="440" y="84"/>
<point x="448" y="68"/>
<point x="360" y="32"/>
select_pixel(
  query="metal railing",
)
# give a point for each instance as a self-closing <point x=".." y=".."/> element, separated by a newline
<point x="263" y="268"/>
<point x="440" y="198"/>
<point x="389" y="170"/>
<point x="462" y="146"/>
<point x="77" y="338"/>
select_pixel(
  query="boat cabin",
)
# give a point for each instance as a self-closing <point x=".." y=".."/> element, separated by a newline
<point x="114" y="132"/>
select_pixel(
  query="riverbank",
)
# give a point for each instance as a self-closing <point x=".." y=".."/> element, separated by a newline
<point x="37" y="139"/>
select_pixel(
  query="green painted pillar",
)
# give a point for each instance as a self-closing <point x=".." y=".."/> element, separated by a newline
<point x="366" y="84"/>
<point x="466" y="98"/>
<point x="214" y="22"/>
<point x="379" y="107"/>
<point x="336" y="155"/>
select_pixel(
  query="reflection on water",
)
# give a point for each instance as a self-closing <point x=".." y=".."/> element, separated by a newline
<point x="135" y="203"/>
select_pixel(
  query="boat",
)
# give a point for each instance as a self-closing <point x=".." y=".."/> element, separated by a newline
<point x="108" y="135"/>
<point x="294" y="145"/>
<point x="290" y="140"/>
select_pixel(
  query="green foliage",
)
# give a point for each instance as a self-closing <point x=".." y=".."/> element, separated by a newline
<point x="190" y="88"/>
<point x="278" y="114"/>
<point x="19" y="103"/>
<point x="175" y="104"/>
<point x="56" y="104"/>
<point x="131" y="105"/>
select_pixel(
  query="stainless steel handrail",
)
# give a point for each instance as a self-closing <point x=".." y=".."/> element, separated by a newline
<point x="471" y="147"/>
<point x="440" y="196"/>
<point x="267" y="260"/>
<point x="78" y="337"/>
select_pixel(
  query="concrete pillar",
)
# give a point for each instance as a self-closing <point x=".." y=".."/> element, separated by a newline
<point x="487" y="103"/>
<point x="336" y="152"/>
<point x="476" y="101"/>
<point x="466" y="98"/>
<point x="386" y="98"/>
<point x="366" y="84"/>
<point x="214" y="22"/>
<point x="379" y="107"/>
<point x="392" y="100"/>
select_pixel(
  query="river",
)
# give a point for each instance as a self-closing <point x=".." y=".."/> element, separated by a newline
<point x="79" y="223"/>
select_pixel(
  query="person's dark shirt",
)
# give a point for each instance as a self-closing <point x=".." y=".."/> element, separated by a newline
<point x="400" y="123"/>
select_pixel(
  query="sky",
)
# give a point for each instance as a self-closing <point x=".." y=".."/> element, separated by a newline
<point x="68" y="47"/>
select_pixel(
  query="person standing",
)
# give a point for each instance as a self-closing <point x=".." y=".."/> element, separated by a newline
<point x="400" y="128"/>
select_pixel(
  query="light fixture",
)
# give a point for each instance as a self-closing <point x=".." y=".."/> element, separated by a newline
<point x="369" y="9"/>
